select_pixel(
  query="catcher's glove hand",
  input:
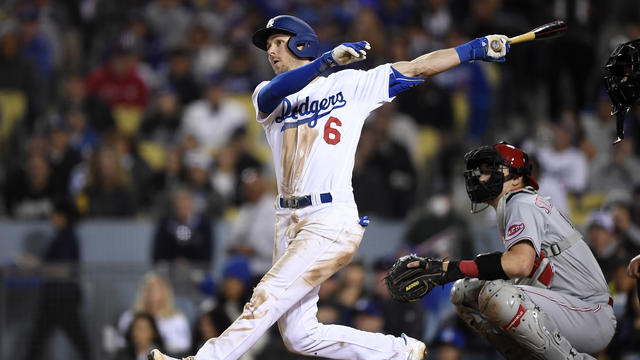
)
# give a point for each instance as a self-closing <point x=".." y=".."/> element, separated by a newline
<point x="411" y="284"/>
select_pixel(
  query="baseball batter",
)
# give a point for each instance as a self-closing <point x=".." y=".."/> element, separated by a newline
<point x="312" y="122"/>
<point x="544" y="297"/>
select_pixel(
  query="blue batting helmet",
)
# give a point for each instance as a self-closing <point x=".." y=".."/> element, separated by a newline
<point x="301" y="34"/>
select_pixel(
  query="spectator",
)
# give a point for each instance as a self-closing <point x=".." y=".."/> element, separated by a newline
<point x="563" y="164"/>
<point x="368" y="316"/>
<point x="352" y="286"/>
<point x="209" y="56"/>
<point x="213" y="120"/>
<point x="210" y="324"/>
<point x="82" y="138"/>
<point x="330" y="311"/>
<point x="62" y="156"/>
<point x="627" y="232"/>
<point x="185" y="236"/>
<point x="155" y="297"/>
<point x="119" y="83"/>
<point x="235" y="292"/>
<point x="170" y="177"/>
<point x="74" y="95"/>
<point x="198" y="166"/>
<point x="160" y="13"/>
<point x="29" y="192"/>
<point x="162" y="120"/>
<point x="129" y="158"/>
<point x="19" y="76"/>
<point x="252" y="230"/>
<point x="61" y="297"/>
<point x="619" y="170"/>
<point x="109" y="191"/>
<point x="599" y="128"/>
<point x="436" y="228"/>
<point x="626" y="342"/>
<point x="449" y="344"/>
<point x="35" y="45"/>
<point x="180" y="77"/>
<point x="141" y="337"/>
<point x="231" y="161"/>
<point x="602" y="240"/>
<point x="388" y="163"/>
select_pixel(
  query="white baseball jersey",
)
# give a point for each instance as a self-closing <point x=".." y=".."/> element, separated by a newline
<point x="314" y="133"/>
<point x="530" y="217"/>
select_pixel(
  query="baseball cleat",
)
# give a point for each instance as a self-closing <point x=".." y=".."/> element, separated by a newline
<point x="155" y="354"/>
<point x="416" y="350"/>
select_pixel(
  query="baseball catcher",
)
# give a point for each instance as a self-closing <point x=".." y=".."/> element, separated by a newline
<point x="545" y="296"/>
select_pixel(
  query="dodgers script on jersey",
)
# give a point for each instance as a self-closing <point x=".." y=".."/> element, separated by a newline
<point x="531" y="217"/>
<point x="313" y="134"/>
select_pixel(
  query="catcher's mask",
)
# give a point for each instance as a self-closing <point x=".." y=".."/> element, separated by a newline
<point x="490" y="160"/>
<point x="622" y="80"/>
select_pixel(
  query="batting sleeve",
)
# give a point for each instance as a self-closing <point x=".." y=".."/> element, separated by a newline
<point x="254" y="100"/>
<point x="524" y="222"/>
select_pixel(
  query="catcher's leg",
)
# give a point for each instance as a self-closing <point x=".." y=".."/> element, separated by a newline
<point x="505" y="306"/>
<point x="464" y="295"/>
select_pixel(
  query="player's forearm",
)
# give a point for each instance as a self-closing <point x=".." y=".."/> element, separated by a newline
<point x="290" y="82"/>
<point x="429" y="64"/>
<point x="515" y="263"/>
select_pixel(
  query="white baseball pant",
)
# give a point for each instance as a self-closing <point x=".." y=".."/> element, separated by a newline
<point x="311" y="244"/>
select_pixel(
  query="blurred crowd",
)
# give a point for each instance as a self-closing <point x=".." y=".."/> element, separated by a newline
<point x="141" y="109"/>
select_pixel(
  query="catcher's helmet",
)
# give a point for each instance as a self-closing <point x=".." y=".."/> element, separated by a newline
<point x="622" y="76"/>
<point x="487" y="160"/>
<point x="301" y="34"/>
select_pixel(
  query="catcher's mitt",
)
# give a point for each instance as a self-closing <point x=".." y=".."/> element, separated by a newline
<point x="411" y="284"/>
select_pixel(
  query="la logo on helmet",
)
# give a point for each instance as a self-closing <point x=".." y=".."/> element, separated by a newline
<point x="270" y="23"/>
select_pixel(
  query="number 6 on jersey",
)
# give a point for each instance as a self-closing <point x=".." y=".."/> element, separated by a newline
<point x="331" y="134"/>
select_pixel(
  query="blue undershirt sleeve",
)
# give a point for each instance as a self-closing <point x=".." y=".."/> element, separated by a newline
<point x="291" y="82"/>
<point x="399" y="83"/>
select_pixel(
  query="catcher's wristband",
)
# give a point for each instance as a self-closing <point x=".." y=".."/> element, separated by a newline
<point x="490" y="266"/>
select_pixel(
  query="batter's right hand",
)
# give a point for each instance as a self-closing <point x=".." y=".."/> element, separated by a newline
<point x="347" y="53"/>
<point x="480" y="49"/>
<point x="634" y="267"/>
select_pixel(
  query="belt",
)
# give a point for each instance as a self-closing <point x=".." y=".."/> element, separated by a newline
<point x="297" y="202"/>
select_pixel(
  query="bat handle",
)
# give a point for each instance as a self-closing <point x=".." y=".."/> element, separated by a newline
<point x="522" y="38"/>
<point x="496" y="45"/>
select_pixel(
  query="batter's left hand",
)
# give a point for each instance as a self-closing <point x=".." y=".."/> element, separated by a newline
<point x="634" y="267"/>
<point x="347" y="53"/>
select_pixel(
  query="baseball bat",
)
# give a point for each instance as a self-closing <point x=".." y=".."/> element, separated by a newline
<point x="547" y="31"/>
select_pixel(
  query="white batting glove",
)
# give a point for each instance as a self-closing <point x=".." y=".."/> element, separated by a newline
<point x="348" y="53"/>
<point x="498" y="46"/>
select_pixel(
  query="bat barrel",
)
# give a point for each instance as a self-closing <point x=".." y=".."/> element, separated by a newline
<point x="550" y="30"/>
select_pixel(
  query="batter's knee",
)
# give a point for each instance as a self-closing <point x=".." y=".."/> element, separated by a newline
<point x="465" y="292"/>
<point x="295" y="338"/>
